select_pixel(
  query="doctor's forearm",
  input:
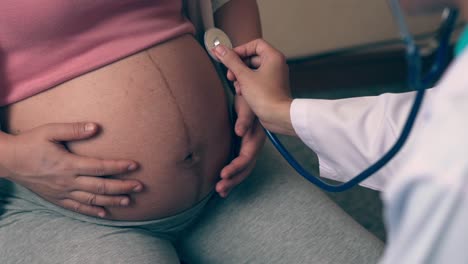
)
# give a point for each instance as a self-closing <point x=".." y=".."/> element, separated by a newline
<point x="350" y="134"/>
<point x="240" y="20"/>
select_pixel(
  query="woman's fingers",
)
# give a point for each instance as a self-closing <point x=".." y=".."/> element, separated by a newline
<point x="236" y="166"/>
<point x="245" y="117"/>
<point x="230" y="75"/>
<point x="69" y="131"/>
<point x="81" y="208"/>
<point x="224" y="187"/>
<point x="99" y="200"/>
<point x="98" y="167"/>
<point x="106" y="186"/>
<point x="251" y="144"/>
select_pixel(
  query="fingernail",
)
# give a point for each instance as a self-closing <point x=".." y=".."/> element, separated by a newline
<point x="89" y="127"/>
<point x="102" y="214"/>
<point x="137" y="188"/>
<point x="132" y="166"/>
<point x="224" y="175"/>
<point x="240" y="130"/>
<point x="125" y="202"/>
<point x="220" y="50"/>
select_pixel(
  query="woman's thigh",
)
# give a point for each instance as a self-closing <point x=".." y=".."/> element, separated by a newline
<point x="275" y="216"/>
<point x="45" y="238"/>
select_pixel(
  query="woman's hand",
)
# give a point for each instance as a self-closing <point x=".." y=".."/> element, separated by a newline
<point x="252" y="138"/>
<point x="38" y="160"/>
<point x="266" y="87"/>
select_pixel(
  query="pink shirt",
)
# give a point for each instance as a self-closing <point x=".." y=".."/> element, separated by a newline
<point x="46" y="42"/>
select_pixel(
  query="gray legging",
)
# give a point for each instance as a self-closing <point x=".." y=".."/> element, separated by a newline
<point x="273" y="217"/>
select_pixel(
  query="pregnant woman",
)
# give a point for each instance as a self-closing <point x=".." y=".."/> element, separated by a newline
<point x="134" y="68"/>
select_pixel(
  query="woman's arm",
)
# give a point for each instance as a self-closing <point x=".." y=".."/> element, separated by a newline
<point x="38" y="160"/>
<point x="240" y="20"/>
<point x="247" y="127"/>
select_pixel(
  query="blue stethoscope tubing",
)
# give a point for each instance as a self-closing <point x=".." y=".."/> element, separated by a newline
<point x="415" y="81"/>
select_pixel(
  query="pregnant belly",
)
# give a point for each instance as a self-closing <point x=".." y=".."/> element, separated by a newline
<point x="164" y="108"/>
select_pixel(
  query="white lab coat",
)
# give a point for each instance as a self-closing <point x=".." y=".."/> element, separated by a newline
<point x="425" y="188"/>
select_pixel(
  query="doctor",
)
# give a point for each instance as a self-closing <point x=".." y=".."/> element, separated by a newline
<point x="425" y="188"/>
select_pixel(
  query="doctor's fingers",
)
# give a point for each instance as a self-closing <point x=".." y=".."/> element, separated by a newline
<point x="232" y="61"/>
<point x="252" y="62"/>
<point x="269" y="62"/>
<point x="259" y="48"/>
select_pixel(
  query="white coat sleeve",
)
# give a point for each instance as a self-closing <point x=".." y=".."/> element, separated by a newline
<point x="350" y="134"/>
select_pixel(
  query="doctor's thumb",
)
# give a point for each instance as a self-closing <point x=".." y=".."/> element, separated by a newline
<point x="232" y="61"/>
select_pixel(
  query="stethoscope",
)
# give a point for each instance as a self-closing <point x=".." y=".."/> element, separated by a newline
<point x="214" y="37"/>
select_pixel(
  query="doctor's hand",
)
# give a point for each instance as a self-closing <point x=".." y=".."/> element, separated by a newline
<point x="39" y="160"/>
<point x="264" y="85"/>
<point x="252" y="137"/>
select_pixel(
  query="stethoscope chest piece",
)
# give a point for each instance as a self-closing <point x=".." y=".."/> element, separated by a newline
<point x="215" y="37"/>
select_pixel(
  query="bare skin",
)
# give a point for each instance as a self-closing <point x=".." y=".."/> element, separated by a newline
<point x="247" y="127"/>
<point x="38" y="160"/>
<point x="266" y="89"/>
<point x="84" y="183"/>
<point x="163" y="107"/>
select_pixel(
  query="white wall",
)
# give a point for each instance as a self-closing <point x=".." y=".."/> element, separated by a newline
<point x="305" y="27"/>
